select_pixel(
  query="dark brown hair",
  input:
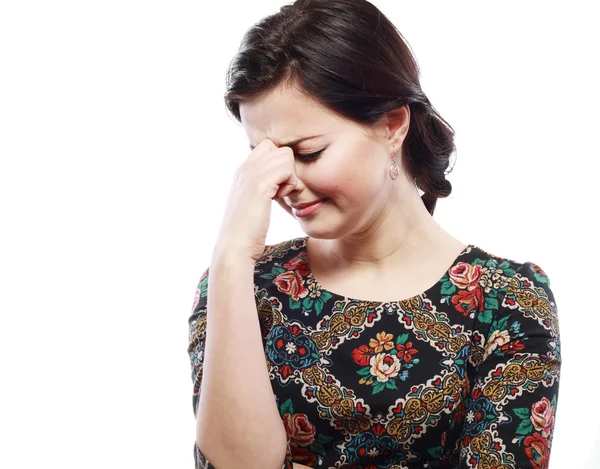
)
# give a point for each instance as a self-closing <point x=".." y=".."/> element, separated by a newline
<point x="349" y="57"/>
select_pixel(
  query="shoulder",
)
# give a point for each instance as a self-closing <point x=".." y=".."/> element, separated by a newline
<point x="282" y="267"/>
<point x="282" y="251"/>
<point x="283" y="257"/>
<point x="285" y="254"/>
<point x="502" y="285"/>
<point x="276" y="258"/>
<point x="508" y="268"/>
<point x="515" y="290"/>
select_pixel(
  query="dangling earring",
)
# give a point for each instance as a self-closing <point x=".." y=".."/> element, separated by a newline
<point x="394" y="169"/>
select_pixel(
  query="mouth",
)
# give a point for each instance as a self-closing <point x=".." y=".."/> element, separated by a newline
<point x="306" y="204"/>
<point x="304" y="210"/>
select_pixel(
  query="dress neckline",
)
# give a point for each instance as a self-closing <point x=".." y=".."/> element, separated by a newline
<point x="457" y="259"/>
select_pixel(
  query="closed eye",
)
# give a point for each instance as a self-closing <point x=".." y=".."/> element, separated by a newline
<point x="310" y="156"/>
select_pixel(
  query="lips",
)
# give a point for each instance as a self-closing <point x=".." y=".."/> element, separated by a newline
<point x="306" y="204"/>
<point x="311" y="209"/>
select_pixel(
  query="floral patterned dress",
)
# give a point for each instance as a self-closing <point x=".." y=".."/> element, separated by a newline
<point x="464" y="375"/>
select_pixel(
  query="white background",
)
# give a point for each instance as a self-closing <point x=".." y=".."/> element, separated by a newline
<point x="116" y="158"/>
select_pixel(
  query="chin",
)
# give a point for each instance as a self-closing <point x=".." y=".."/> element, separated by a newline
<point x="322" y="232"/>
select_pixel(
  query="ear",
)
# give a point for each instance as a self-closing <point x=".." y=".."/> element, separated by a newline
<point x="398" y="122"/>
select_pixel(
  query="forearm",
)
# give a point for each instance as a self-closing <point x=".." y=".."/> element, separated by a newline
<point x="238" y="422"/>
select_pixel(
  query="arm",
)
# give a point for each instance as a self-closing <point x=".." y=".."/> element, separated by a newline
<point x="238" y="424"/>
<point x="508" y="420"/>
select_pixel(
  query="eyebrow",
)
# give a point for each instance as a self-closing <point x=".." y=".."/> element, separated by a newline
<point x="293" y="142"/>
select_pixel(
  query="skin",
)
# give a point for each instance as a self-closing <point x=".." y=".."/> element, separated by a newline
<point x="372" y="227"/>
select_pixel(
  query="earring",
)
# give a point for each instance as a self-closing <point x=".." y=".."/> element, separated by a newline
<point x="394" y="169"/>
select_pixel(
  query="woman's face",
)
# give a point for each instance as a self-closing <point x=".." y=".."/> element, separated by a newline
<point x="351" y="172"/>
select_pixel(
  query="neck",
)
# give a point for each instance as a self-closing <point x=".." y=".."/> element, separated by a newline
<point x="403" y="235"/>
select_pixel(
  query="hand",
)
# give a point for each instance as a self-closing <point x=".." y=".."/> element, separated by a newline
<point x="267" y="174"/>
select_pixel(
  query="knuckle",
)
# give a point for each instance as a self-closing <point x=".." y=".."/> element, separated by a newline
<point x="288" y="151"/>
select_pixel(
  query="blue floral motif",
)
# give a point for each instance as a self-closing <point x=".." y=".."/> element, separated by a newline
<point x="372" y="449"/>
<point x="480" y="413"/>
<point x="285" y="348"/>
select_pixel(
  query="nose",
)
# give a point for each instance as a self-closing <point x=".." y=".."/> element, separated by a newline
<point x="295" y="193"/>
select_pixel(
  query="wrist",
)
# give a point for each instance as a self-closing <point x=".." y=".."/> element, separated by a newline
<point x="231" y="256"/>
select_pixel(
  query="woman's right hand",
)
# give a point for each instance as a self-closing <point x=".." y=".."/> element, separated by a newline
<point x="268" y="173"/>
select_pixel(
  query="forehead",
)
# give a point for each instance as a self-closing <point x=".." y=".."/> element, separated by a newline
<point x="283" y="115"/>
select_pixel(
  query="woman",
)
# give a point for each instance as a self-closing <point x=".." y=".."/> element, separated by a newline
<point x="378" y="340"/>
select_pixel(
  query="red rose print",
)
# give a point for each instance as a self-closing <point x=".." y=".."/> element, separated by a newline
<point x="291" y="284"/>
<point x="304" y="456"/>
<point x="298" y="263"/>
<point x="465" y="276"/>
<point x="542" y="416"/>
<point x="300" y="431"/>
<point x="536" y="448"/>
<point x="466" y="301"/>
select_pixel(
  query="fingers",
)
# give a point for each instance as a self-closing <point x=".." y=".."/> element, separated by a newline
<point x="279" y="164"/>
<point x="265" y="146"/>
<point x="287" y="186"/>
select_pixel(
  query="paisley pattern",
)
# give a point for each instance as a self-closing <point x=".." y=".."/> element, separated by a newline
<point x="464" y="375"/>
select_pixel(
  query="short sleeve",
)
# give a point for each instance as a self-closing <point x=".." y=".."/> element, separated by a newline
<point x="510" y="410"/>
<point x="196" y="345"/>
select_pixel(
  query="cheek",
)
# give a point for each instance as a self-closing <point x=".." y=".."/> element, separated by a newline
<point x="359" y="182"/>
<point x="348" y="176"/>
<point x="327" y="180"/>
<point x="349" y="188"/>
